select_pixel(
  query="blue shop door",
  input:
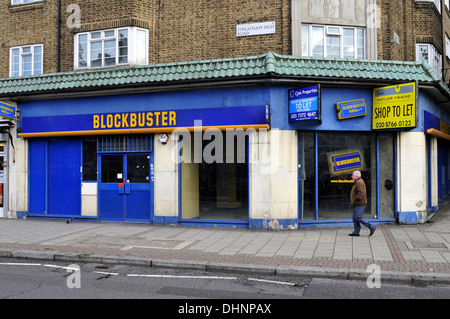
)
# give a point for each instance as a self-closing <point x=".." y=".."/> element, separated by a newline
<point x="64" y="176"/>
<point x="55" y="177"/>
<point x="443" y="163"/>
<point x="125" y="189"/>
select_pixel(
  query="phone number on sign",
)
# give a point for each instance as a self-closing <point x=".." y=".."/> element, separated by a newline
<point x="394" y="124"/>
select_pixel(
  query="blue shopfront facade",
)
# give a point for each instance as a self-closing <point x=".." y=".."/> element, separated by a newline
<point x="109" y="155"/>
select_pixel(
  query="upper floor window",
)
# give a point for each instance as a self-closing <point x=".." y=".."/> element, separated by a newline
<point x="123" y="46"/>
<point x="333" y="41"/>
<point x="429" y="53"/>
<point x="26" y="60"/>
<point x="14" y="2"/>
<point x="437" y="3"/>
<point x="447" y="46"/>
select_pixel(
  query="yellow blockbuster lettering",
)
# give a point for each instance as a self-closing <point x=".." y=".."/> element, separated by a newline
<point x="117" y="122"/>
<point x="133" y="122"/>
<point x="150" y="119"/>
<point x="96" y="123"/>
<point x="164" y="119"/>
<point x="172" y="118"/>
<point x="109" y="121"/>
<point x="102" y="123"/>
<point x="157" y="118"/>
<point x="141" y="119"/>
<point x="125" y="120"/>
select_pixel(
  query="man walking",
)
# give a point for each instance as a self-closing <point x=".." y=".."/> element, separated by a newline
<point x="358" y="198"/>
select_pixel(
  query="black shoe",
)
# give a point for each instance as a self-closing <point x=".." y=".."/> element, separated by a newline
<point x="355" y="235"/>
<point x="372" y="230"/>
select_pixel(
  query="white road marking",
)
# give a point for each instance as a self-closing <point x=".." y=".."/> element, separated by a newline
<point x="152" y="276"/>
<point x="62" y="267"/>
<point x="272" y="281"/>
<point x="183" y="277"/>
<point x="19" y="264"/>
<point x="107" y="273"/>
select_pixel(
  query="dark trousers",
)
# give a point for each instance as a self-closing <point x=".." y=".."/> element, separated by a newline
<point x="357" y="214"/>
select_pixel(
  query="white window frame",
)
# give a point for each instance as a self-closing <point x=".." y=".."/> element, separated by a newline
<point x="19" y="2"/>
<point x="132" y="47"/>
<point x="22" y="54"/>
<point x="331" y="32"/>
<point x="434" y="57"/>
<point x="447" y="46"/>
<point x="328" y="33"/>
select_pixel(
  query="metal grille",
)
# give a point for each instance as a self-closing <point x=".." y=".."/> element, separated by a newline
<point x="124" y="143"/>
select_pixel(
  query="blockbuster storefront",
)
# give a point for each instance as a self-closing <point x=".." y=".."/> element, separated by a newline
<point x="258" y="149"/>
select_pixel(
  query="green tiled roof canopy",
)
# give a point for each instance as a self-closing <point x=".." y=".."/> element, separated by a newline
<point x="263" y="66"/>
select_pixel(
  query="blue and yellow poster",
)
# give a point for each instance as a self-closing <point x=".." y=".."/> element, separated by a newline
<point x="351" y="109"/>
<point x="304" y="104"/>
<point x="345" y="162"/>
<point x="7" y="110"/>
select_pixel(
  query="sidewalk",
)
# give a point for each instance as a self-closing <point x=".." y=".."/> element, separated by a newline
<point x="407" y="253"/>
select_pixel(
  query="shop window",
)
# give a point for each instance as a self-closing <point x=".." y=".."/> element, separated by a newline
<point x="125" y="143"/>
<point x="214" y="177"/>
<point x="327" y="161"/>
<point x="334" y="188"/>
<point x="307" y="175"/>
<point x="387" y="176"/>
<point x="107" y="48"/>
<point x="2" y="172"/>
<point x="112" y="169"/>
<point x="90" y="159"/>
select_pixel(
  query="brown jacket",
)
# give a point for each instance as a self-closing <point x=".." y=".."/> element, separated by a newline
<point x="358" y="196"/>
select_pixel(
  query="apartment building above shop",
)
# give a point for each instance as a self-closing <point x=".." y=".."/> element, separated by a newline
<point x="47" y="36"/>
<point x="416" y="30"/>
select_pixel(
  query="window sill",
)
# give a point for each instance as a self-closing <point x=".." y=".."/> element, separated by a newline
<point x="107" y="67"/>
<point x="26" y="6"/>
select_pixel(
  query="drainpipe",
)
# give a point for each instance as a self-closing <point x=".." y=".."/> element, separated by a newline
<point x="58" y="38"/>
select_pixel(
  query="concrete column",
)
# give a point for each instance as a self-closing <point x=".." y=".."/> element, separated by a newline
<point x="18" y="177"/>
<point x="273" y="180"/>
<point x="166" y="181"/>
<point x="296" y="14"/>
<point x="412" y="181"/>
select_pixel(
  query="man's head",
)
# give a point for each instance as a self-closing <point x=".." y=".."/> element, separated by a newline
<point x="356" y="175"/>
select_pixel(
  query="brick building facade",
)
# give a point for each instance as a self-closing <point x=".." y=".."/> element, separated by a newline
<point x="193" y="30"/>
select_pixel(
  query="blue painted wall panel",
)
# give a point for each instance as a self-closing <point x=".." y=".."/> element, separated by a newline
<point x="174" y="100"/>
<point x="37" y="175"/>
<point x="64" y="176"/>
